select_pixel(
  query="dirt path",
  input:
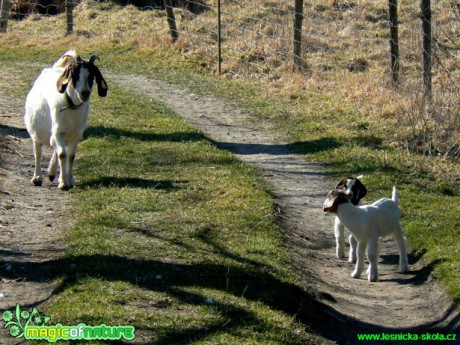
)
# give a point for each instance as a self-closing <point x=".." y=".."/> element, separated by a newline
<point x="399" y="303"/>
<point x="31" y="219"/>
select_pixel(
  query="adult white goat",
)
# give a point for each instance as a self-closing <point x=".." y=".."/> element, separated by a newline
<point x="57" y="109"/>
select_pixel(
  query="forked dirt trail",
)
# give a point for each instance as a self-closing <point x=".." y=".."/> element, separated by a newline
<point x="399" y="303"/>
<point x="33" y="220"/>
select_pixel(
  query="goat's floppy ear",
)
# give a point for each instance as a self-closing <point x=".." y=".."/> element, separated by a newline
<point x="64" y="79"/>
<point x="333" y="199"/>
<point x="330" y="202"/>
<point x="102" y="87"/>
<point x="361" y="188"/>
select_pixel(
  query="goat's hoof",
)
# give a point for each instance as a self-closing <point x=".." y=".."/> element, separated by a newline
<point x="63" y="187"/>
<point x="340" y="254"/>
<point x="355" y="274"/>
<point x="373" y="277"/>
<point x="36" y="181"/>
<point x="403" y="269"/>
<point x="51" y="177"/>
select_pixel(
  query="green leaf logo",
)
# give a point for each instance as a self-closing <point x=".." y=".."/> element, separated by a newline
<point x="18" y="320"/>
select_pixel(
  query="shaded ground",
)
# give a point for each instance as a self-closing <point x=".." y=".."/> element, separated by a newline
<point x="32" y="221"/>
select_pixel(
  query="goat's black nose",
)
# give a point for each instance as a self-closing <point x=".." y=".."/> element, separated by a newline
<point x="85" y="95"/>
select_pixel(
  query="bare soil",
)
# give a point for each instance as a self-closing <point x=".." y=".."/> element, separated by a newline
<point x="33" y="221"/>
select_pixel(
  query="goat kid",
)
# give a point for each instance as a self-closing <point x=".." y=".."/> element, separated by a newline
<point x="367" y="224"/>
<point x="356" y="190"/>
<point x="56" y="112"/>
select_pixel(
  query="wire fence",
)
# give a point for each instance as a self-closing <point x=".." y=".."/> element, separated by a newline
<point x="408" y="50"/>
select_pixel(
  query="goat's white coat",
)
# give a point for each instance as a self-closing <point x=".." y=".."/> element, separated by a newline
<point x="49" y="121"/>
<point x="368" y="224"/>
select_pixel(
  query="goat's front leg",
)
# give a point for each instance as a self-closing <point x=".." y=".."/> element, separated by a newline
<point x="37" y="179"/>
<point x="373" y="255"/>
<point x="339" y="230"/>
<point x="58" y="144"/>
<point x="353" y="247"/>
<point x="71" y="156"/>
<point x="52" y="168"/>
<point x="360" y="260"/>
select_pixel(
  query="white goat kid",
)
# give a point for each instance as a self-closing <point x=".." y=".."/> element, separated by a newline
<point x="355" y="189"/>
<point x="367" y="224"/>
<point x="57" y="109"/>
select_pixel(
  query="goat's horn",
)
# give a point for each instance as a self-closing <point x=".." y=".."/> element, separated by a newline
<point x="93" y="58"/>
<point x="69" y="56"/>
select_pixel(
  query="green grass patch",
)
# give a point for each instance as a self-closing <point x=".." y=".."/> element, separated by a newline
<point x="174" y="236"/>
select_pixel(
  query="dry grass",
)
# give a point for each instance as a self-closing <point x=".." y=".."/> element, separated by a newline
<point x="345" y="54"/>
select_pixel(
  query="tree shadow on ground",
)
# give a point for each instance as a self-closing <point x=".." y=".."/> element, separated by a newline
<point x="254" y="284"/>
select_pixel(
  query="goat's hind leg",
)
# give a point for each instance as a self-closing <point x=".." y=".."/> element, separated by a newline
<point x="401" y="242"/>
<point x="37" y="179"/>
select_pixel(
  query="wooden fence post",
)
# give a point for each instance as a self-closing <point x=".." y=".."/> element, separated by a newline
<point x="4" y="14"/>
<point x="394" y="39"/>
<point x="69" y="16"/>
<point x="426" y="55"/>
<point x="171" y="20"/>
<point x="298" y="18"/>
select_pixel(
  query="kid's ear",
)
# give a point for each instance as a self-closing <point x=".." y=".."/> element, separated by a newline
<point x="64" y="79"/>
<point x="329" y="203"/>
<point x="362" y="189"/>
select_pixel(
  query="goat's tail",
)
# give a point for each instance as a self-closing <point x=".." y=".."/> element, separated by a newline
<point x="395" y="196"/>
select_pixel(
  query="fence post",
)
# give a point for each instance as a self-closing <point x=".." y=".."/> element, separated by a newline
<point x="394" y="39"/>
<point x="219" y="39"/>
<point x="4" y="14"/>
<point x="69" y="16"/>
<point x="426" y="56"/>
<point x="298" y="18"/>
<point x="171" y="20"/>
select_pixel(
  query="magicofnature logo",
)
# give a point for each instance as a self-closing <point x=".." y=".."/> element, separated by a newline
<point x="34" y="326"/>
<point x="19" y="320"/>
